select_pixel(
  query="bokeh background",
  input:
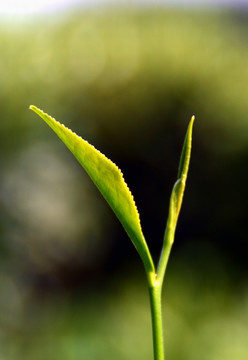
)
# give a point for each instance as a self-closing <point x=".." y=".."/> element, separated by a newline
<point x="126" y="76"/>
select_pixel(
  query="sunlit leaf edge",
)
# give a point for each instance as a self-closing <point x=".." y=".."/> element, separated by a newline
<point x="132" y="226"/>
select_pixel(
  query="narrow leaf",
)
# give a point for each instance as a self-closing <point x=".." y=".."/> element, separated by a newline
<point x="173" y="206"/>
<point x="186" y="151"/>
<point x="109" y="180"/>
<point x="178" y="189"/>
<point x="175" y="202"/>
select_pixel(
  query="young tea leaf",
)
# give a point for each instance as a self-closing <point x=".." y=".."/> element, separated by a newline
<point x="186" y="151"/>
<point x="176" y="202"/>
<point x="178" y="189"/>
<point x="173" y="206"/>
<point x="109" y="180"/>
<point x="184" y="165"/>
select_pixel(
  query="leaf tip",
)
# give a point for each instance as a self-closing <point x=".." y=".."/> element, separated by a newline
<point x="33" y="108"/>
<point x="191" y="123"/>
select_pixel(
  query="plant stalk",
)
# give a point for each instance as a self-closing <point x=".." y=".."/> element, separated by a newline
<point x="157" y="324"/>
<point x="155" y="291"/>
<point x="155" y="280"/>
<point x="165" y="253"/>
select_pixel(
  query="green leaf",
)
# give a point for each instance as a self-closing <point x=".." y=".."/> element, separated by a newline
<point x="109" y="180"/>
<point x="186" y="151"/>
<point x="176" y="202"/>
<point x="173" y="207"/>
<point x="179" y="187"/>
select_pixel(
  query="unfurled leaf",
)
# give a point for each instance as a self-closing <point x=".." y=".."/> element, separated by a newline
<point x="109" y="180"/>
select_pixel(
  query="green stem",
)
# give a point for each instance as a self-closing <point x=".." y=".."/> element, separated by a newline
<point x="157" y="325"/>
<point x="155" y="280"/>
<point x="167" y="245"/>
<point x="155" y="291"/>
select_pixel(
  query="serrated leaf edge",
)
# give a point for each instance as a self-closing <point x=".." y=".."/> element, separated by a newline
<point x="34" y="108"/>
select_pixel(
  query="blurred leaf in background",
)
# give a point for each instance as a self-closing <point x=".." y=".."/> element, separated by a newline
<point x="128" y="80"/>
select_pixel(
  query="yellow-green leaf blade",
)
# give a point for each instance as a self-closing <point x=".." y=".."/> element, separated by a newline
<point x="186" y="151"/>
<point x="109" y="180"/>
<point x="184" y="164"/>
<point x="173" y="206"/>
<point x="176" y="201"/>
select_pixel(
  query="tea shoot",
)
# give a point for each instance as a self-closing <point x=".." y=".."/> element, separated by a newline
<point x="109" y="180"/>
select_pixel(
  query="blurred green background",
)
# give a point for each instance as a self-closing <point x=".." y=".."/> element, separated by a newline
<point x="128" y="80"/>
